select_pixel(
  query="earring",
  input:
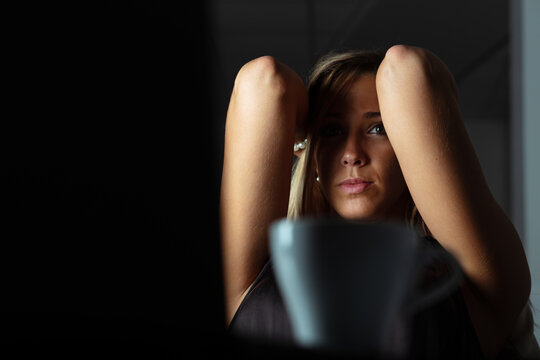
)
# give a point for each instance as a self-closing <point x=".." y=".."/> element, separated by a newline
<point x="300" y="145"/>
<point x="317" y="179"/>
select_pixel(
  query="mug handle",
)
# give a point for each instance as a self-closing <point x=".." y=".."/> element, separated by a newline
<point x="442" y="288"/>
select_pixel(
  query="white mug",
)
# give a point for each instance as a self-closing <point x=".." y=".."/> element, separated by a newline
<point x="351" y="286"/>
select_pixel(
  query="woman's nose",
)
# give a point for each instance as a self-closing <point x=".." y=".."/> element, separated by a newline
<point x="353" y="154"/>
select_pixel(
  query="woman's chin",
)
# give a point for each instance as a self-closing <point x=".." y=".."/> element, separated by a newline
<point x="358" y="214"/>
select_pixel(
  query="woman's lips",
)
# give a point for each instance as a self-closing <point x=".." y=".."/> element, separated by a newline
<point x="354" y="186"/>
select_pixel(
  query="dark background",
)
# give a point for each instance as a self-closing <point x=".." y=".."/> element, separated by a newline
<point x="109" y="181"/>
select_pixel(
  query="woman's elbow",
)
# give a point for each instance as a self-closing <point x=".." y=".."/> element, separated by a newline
<point x="413" y="67"/>
<point x="267" y="81"/>
<point x="402" y="52"/>
<point x="403" y="61"/>
<point x="261" y="74"/>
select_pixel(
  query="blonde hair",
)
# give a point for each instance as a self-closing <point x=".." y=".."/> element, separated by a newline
<point x="330" y="78"/>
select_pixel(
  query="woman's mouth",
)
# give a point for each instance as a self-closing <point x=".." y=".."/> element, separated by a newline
<point x="354" y="186"/>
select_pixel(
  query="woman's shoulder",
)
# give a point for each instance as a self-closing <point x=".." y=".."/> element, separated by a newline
<point x="262" y="313"/>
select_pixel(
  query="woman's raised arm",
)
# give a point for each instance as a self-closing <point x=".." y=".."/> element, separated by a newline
<point x="267" y="102"/>
<point x="419" y="108"/>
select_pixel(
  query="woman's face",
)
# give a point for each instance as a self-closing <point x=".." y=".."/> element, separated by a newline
<point x="357" y="168"/>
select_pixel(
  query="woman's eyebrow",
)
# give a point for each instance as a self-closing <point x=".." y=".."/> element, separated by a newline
<point x="372" y="114"/>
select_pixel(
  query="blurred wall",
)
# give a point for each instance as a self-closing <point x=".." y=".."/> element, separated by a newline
<point x="525" y="131"/>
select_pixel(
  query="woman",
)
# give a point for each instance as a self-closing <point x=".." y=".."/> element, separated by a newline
<point x="384" y="140"/>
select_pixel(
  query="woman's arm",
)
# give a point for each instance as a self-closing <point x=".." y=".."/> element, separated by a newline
<point x="419" y="108"/>
<point x="267" y="101"/>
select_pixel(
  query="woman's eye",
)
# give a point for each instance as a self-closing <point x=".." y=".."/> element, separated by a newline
<point x="378" y="129"/>
<point x="331" y="131"/>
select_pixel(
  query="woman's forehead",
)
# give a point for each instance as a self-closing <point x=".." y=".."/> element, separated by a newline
<point x="360" y="98"/>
